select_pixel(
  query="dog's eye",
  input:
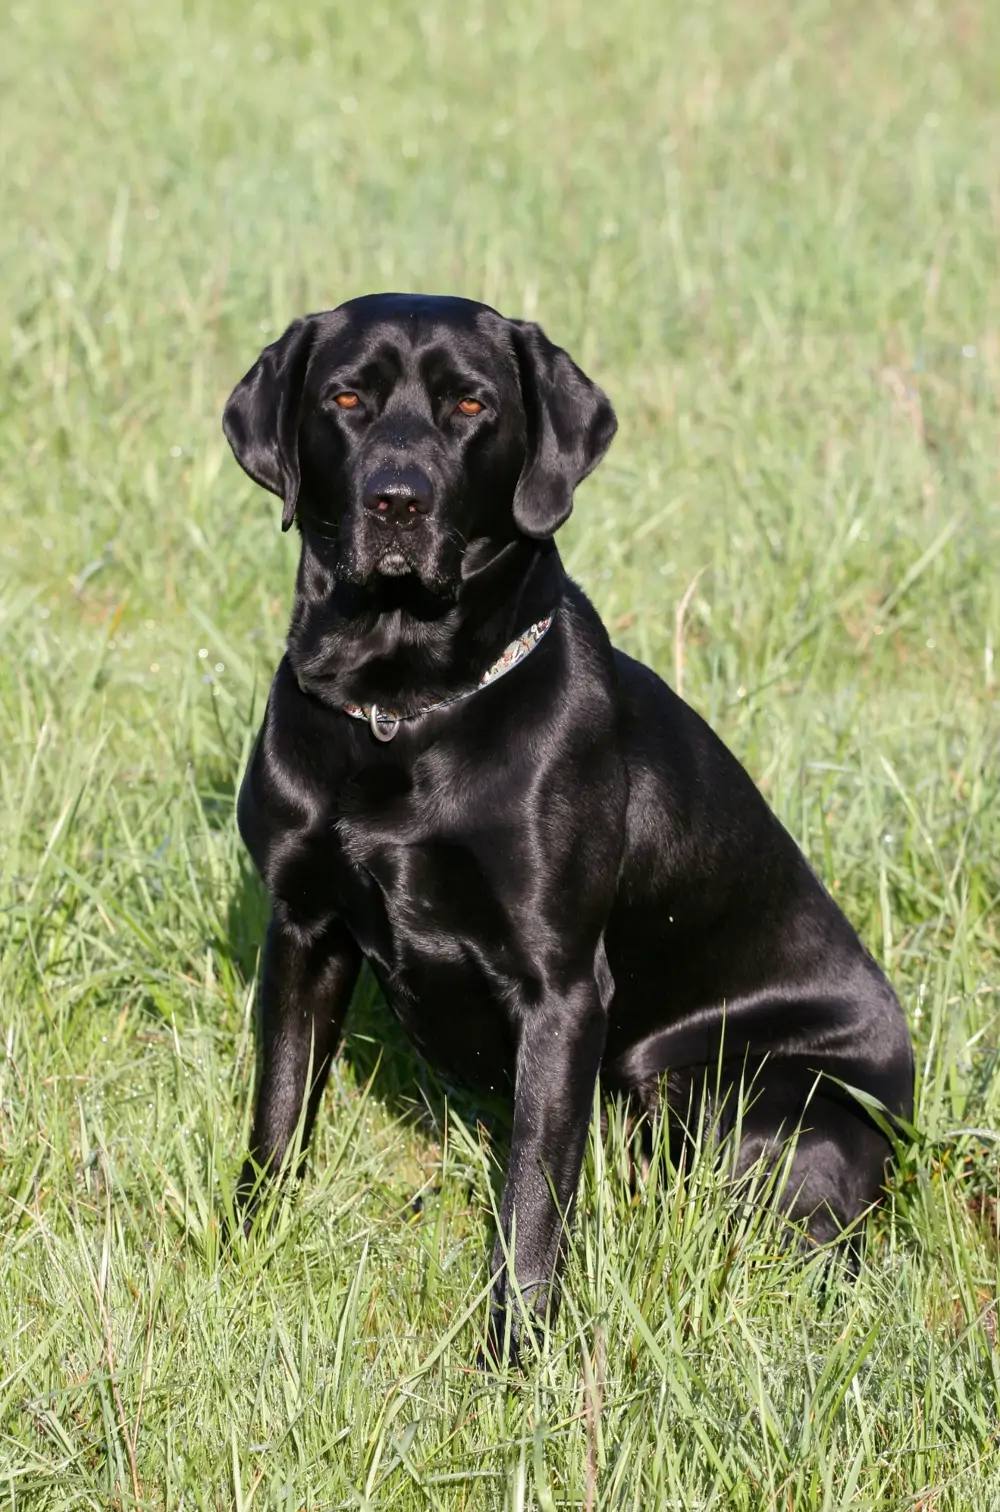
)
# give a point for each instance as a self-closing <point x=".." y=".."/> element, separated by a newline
<point x="347" y="401"/>
<point x="470" y="406"/>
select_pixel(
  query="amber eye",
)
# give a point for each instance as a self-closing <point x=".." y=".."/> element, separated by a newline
<point x="347" y="401"/>
<point x="470" y="406"/>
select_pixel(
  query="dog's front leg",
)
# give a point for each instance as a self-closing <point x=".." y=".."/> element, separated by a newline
<point x="558" y="1058"/>
<point x="307" y="977"/>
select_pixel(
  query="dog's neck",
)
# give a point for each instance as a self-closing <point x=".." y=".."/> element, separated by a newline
<point x="396" y="643"/>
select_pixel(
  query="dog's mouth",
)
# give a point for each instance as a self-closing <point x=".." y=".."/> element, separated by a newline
<point x="366" y="554"/>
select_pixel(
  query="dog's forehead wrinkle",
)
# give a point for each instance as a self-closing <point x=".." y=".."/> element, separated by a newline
<point x="465" y="364"/>
<point x="368" y="362"/>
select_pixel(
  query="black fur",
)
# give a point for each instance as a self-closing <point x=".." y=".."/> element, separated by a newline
<point x="562" y="877"/>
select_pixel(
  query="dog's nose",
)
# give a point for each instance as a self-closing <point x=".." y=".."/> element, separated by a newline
<point x="399" y="497"/>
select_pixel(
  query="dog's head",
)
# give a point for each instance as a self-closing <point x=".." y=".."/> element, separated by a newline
<point x="410" y="428"/>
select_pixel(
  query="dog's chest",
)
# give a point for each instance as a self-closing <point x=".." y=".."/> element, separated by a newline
<point x="417" y="898"/>
<point x="432" y="899"/>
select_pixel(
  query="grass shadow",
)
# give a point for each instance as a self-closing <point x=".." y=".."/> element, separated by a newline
<point x="379" y="1054"/>
<point x="375" y="1047"/>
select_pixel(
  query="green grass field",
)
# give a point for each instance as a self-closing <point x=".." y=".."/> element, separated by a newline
<point x="770" y="230"/>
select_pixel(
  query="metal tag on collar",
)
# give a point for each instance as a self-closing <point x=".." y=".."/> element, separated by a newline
<point x="383" y="726"/>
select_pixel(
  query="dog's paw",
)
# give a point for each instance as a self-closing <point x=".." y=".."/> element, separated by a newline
<point x="502" y="1351"/>
<point x="492" y="1361"/>
<point x="238" y="1225"/>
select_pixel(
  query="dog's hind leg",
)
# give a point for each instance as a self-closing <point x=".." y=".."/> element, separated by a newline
<point x="794" y="1142"/>
<point x="829" y="1159"/>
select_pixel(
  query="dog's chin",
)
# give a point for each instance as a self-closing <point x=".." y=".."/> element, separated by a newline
<point x="403" y="564"/>
<point x="395" y="567"/>
<point x="396" y="573"/>
<point x="393" y="564"/>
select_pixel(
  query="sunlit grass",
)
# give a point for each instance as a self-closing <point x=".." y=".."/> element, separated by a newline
<point x="769" y="231"/>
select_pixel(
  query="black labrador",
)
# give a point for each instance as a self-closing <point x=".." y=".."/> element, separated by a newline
<point x="555" y="868"/>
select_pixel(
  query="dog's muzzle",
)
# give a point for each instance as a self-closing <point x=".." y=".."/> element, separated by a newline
<point x="396" y="502"/>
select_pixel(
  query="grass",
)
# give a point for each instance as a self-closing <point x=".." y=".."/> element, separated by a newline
<point x="770" y="231"/>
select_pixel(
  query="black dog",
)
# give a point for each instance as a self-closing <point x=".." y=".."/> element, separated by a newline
<point x="555" y="868"/>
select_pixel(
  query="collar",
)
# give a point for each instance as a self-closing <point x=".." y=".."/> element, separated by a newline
<point x="385" y="722"/>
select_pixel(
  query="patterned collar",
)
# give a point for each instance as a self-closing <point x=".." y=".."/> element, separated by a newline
<point x="385" y="722"/>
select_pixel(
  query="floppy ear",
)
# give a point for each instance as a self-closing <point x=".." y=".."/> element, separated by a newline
<point x="570" y="427"/>
<point x="261" y="418"/>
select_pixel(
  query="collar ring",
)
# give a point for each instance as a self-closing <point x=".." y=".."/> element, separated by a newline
<point x="383" y="726"/>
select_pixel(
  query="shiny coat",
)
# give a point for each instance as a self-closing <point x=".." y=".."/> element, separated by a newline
<point x="561" y="879"/>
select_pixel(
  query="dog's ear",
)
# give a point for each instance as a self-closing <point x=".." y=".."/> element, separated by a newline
<point x="570" y="426"/>
<point x="261" y="418"/>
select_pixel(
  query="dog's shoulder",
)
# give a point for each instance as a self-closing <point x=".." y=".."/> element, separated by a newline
<point x="292" y="766"/>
